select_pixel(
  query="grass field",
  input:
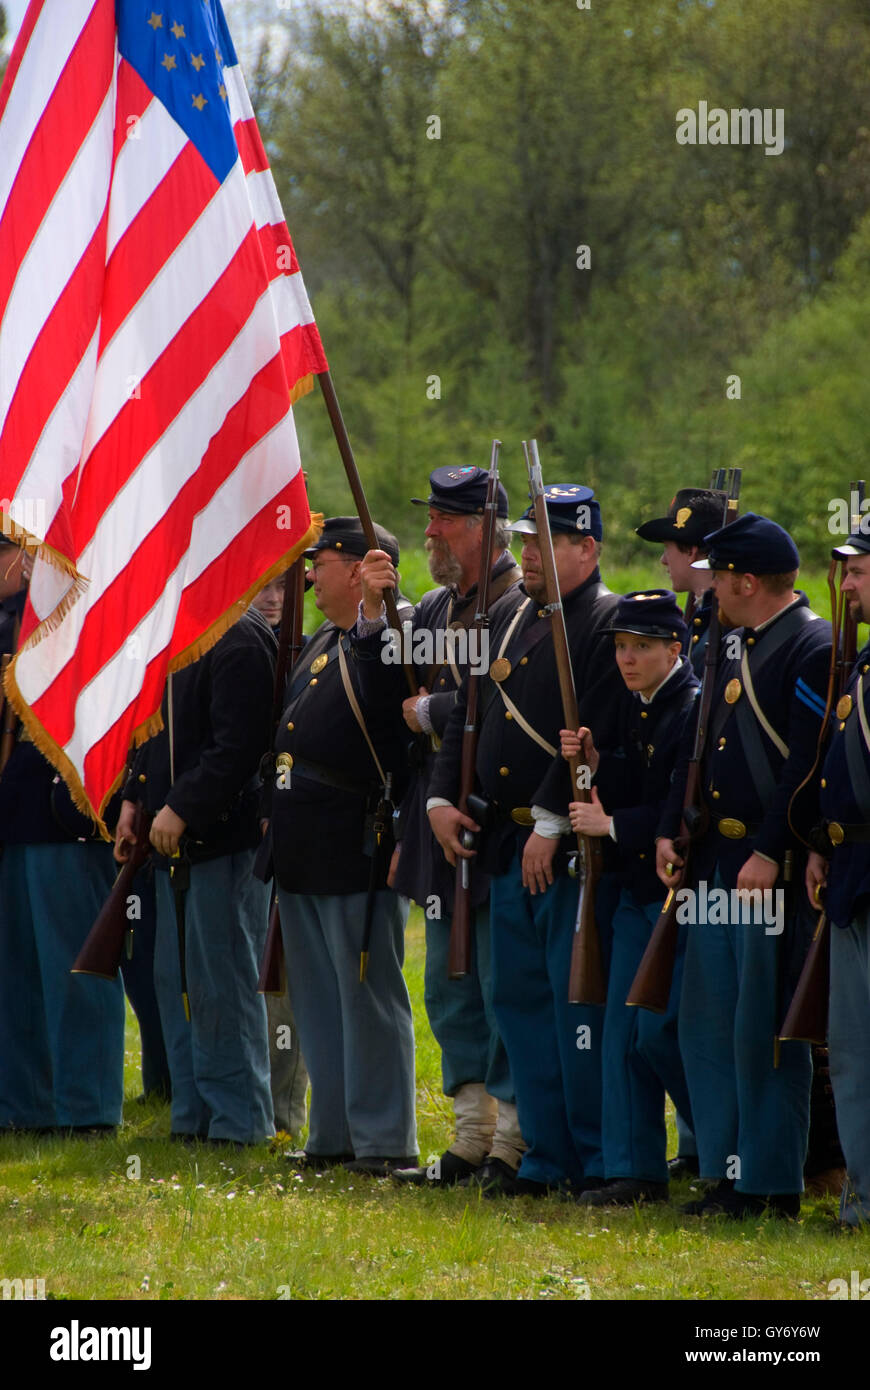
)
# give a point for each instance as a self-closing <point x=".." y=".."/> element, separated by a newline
<point x="201" y="1224"/>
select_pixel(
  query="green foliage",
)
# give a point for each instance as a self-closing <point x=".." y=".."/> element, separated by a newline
<point x="444" y="271"/>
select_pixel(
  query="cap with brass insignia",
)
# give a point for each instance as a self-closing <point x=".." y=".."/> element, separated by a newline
<point x="572" y="509"/>
<point x="461" y="491"/>
<point x="693" y="513"/>
<point x="752" y="544"/>
<point x="650" y="613"/>
<point x="345" y="534"/>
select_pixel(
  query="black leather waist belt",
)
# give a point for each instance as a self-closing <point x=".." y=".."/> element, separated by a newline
<point x="330" y="777"/>
<point x="840" y="834"/>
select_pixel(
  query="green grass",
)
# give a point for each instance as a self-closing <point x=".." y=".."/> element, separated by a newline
<point x="200" y="1224"/>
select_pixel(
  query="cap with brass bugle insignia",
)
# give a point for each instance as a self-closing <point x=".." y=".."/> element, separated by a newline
<point x="500" y="669"/>
<point x="318" y="664"/>
<point x="733" y="691"/>
<point x="844" y="707"/>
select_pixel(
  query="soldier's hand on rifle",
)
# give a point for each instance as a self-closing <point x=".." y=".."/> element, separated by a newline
<point x="124" y="837"/>
<point x="757" y="873"/>
<point x="446" y="823"/>
<point x="377" y="573"/>
<point x="589" y="817"/>
<point x="409" y="711"/>
<point x="166" y="830"/>
<point x="816" y="877"/>
<point x="579" y="745"/>
<point x="538" y="858"/>
<point x="668" y="863"/>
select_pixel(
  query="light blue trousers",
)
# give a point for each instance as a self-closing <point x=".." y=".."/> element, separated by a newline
<point x="357" y="1038"/>
<point x="61" y="1035"/>
<point x="219" y="1061"/>
<point x="849" y="1048"/>
<point x="751" y="1119"/>
<point x="641" y="1054"/>
<point x="554" y="1048"/>
<point x="461" y="1013"/>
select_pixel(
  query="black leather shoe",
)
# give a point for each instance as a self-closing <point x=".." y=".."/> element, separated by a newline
<point x="377" y="1167"/>
<point x="684" y="1166"/>
<point x="446" y="1171"/>
<point x="625" y="1192"/>
<point x="724" y="1200"/>
<point x="88" y="1131"/>
<point x="184" y="1136"/>
<point x="713" y="1203"/>
<point x="303" y="1161"/>
<point x="497" y="1179"/>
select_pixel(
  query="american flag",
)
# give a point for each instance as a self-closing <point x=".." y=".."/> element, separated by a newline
<point x="154" y="329"/>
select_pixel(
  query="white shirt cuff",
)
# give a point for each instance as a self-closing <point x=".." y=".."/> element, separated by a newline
<point x="612" y="831"/>
<point x="421" y="709"/>
<point x="549" y="825"/>
<point x="436" y="801"/>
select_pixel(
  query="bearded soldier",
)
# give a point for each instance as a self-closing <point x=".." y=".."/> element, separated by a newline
<point x="474" y="1064"/>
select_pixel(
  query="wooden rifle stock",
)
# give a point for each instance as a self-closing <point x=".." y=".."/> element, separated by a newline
<point x="104" y="946"/>
<point x="807" y="1015"/>
<point x="273" y="973"/>
<point x="586" y="982"/>
<point x="459" y="947"/>
<point x="651" y="987"/>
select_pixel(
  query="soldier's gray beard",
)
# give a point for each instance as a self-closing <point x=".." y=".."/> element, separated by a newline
<point x="443" y="565"/>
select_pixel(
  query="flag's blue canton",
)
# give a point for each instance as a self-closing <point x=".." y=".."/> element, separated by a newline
<point x="179" y="49"/>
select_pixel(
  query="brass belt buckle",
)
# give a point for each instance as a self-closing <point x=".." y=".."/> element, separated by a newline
<point x="732" y="829"/>
<point x="836" y="833"/>
<point x="522" y="815"/>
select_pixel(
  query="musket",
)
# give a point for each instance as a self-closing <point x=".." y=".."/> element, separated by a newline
<point x="586" y="983"/>
<point x="459" y="948"/>
<point x="651" y="987"/>
<point x="273" y="970"/>
<point x="807" y="1017"/>
<point x="111" y="936"/>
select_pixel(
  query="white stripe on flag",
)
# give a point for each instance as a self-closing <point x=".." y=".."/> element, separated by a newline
<point x="141" y="166"/>
<point x="48" y="51"/>
<point x="56" y="250"/>
<point x="182" y="283"/>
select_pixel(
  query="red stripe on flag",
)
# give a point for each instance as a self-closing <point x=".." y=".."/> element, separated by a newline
<point x="138" y="586"/>
<point x="278" y="250"/>
<point x="78" y="95"/>
<point x="303" y="352"/>
<point x="107" y="756"/>
<point x="133" y="99"/>
<point x="153" y="235"/>
<point x="54" y="357"/>
<point x="254" y="160"/>
<point x="176" y="375"/>
<point x="19" y="50"/>
<point x="214" y="590"/>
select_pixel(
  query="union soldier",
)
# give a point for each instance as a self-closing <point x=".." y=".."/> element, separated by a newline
<point x="554" y="1048"/>
<point x="751" y="1117"/>
<point x="325" y="799"/>
<point x="474" y="1066"/>
<point x="692" y="514"/>
<point x="198" y="777"/>
<point x="632" y="756"/>
<point x="844" y="871"/>
<point x="61" y="1035"/>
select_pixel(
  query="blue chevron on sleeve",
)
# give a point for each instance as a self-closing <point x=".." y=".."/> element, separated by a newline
<point x="810" y="698"/>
